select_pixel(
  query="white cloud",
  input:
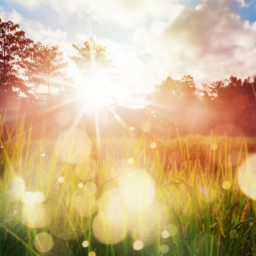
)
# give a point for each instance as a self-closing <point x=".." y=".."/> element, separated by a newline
<point x="125" y="12"/>
<point x="208" y="42"/>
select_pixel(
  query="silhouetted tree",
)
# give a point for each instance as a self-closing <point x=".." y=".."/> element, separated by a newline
<point x="14" y="49"/>
<point x="44" y="71"/>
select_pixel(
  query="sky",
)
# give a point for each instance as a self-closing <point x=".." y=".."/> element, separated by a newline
<point x="147" y="40"/>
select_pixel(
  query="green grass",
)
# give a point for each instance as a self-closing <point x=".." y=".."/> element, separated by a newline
<point x="190" y="202"/>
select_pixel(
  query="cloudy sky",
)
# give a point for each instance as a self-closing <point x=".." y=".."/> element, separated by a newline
<point x="148" y="40"/>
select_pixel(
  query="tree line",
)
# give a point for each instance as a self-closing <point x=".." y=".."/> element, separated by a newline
<point x="33" y="71"/>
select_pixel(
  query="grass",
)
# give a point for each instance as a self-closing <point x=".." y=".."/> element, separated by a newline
<point x="198" y="207"/>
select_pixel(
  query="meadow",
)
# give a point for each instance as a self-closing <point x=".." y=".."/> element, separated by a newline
<point x="145" y="196"/>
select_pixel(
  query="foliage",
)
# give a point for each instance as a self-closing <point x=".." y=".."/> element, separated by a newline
<point x="45" y="71"/>
<point x="15" y="48"/>
<point x="209" y="219"/>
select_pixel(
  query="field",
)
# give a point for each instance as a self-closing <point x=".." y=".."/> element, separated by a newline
<point x="149" y="196"/>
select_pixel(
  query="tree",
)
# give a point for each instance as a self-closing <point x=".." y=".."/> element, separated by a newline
<point x="43" y="70"/>
<point x="91" y="57"/>
<point x="15" y="48"/>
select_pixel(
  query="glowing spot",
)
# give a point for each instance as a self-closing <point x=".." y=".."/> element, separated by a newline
<point x="67" y="228"/>
<point x="28" y="198"/>
<point x="137" y="190"/>
<point x="36" y="215"/>
<point x="144" y="224"/>
<point x="80" y="185"/>
<point x="15" y="212"/>
<point x="165" y="234"/>
<point x="62" y="118"/>
<point x="87" y="170"/>
<point x="15" y="189"/>
<point x="60" y="179"/>
<point x="153" y="145"/>
<point x="172" y="229"/>
<point x="164" y="248"/>
<point x="74" y="147"/>
<point x="132" y="129"/>
<point x="84" y="204"/>
<point x="107" y="233"/>
<point x="146" y="127"/>
<point x="43" y="155"/>
<point x="85" y="244"/>
<point x="43" y="242"/>
<point x="130" y="161"/>
<point x="115" y="215"/>
<point x="138" y="245"/>
<point x="91" y="254"/>
<point x="33" y="198"/>
<point x="90" y="188"/>
<point x="226" y="185"/>
<point x="214" y="146"/>
<point x="247" y="177"/>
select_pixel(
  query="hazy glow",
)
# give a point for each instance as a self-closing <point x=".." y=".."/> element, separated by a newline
<point x="62" y="118"/>
<point x="91" y="254"/>
<point x="80" y="185"/>
<point x="130" y="161"/>
<point x="137" y="190"/>
<point x="36" y="215"/>
<point x="171" y="229"/>
<point x="88" y="170"/>
<point x="138" y="245"/>
<point x="226" y="185"/>
<point x="85" y="244"/>
<point x="61" y="179"/>
<point x="247" y="177"/>
<point x="15" y="189"/>
<point x="107" y="233"/>
<point x="164" y="248"/>
<point x="153" y="145"/>
<point x="43" y="242"/>
<point x="33" y="198"/>
<point x="165" y="234"/>
<point x="84" y="204"/>
<point x="146" y="127"/>
<point x="74" y="146"/>
<point x="146" y="224"/>
<point x="131" y="128"/>
<point x="90" y="188"/>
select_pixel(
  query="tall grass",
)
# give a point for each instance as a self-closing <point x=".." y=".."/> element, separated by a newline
<point x="206" y="217"/>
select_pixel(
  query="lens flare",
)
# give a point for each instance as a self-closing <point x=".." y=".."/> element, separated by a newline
<point x="137" y="190"/>
<point x="107" y="233"/>
<point x="61" y="179"/>
<point x="146" y="224"/>
<point x="91" y="254"/>
<point x="153" y="145"/>
<point x="62" y="118"/>
<point x="85" y="244"/>
<point x="36" y="215"/>
<point x="33" y="198"/>
<point x="84" y="204"/>
<point x="43" y="242"/>
<point x="138" y="245"/>
<point x="226" y="185"/>
<point x="146" y="127"/>
<point x="165" y="234"/>
<point x="74" y="147"/>
<point x="247" y="177"/>
<point x="88" y="170"/>
<point x="164" y="248"/>
<point x="15" y="189"/>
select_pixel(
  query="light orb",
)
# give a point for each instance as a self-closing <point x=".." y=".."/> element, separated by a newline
<point x="43" y="242"/>
<point x="138" y="245"/>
